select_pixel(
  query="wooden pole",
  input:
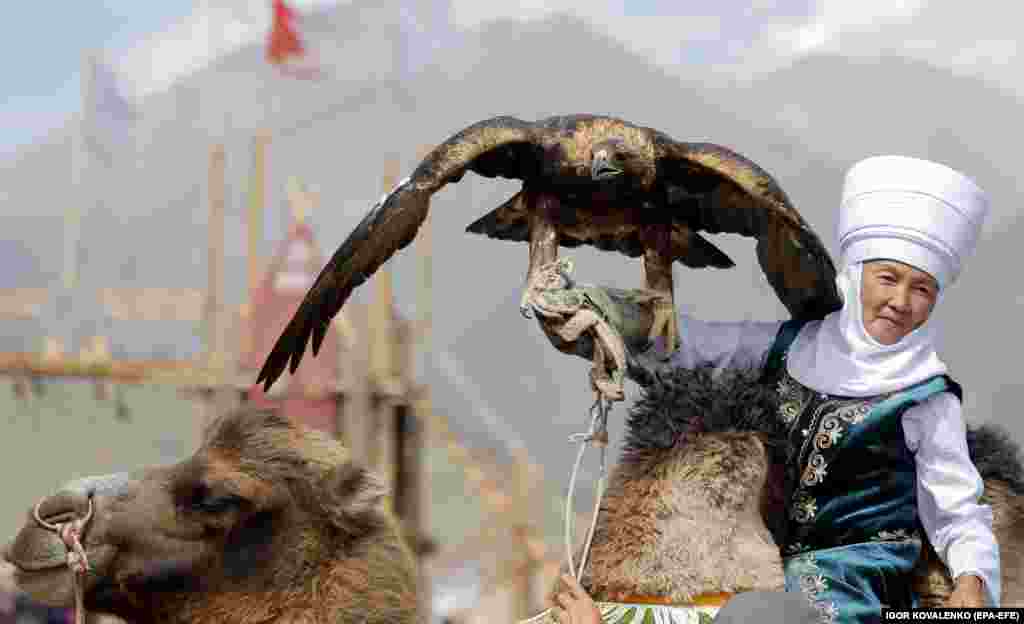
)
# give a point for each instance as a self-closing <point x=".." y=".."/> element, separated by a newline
<point x="522" y="529"/>
<point x="424" y="298"/>
<point x="257" y="199"/>
<point x="357" y="408"/>
<point x="382" y="361"/>
<point x="254" y="226"/>
<point x="364" y="372"/>
<point x="79" y="171"/>
<point x="420" y="433"/>
<point x="53" y="363"/>
<point x="218" y="398"/>
<point x="382" y="366"/>
<point x="215" y="260"/>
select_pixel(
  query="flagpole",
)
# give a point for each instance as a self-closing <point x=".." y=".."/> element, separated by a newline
<point x="60" y="324"/>
<point x="79" y="164"/>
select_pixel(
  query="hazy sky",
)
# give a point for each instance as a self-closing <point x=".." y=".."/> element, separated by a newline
<point x="151" y="43"/>
<point x="42" y="56"/>
<point x="742" y="38"/>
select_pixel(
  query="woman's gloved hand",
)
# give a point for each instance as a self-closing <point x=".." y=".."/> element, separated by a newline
<point x="574" y="316"/>
<point x="556" y="299"/>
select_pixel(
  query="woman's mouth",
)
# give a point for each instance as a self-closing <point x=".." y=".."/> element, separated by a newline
<point x="891" y="322"/>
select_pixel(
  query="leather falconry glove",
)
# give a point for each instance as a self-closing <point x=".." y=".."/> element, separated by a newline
<point x="608" y="326"/>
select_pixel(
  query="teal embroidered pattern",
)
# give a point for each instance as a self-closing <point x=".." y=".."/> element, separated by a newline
<point x="813" y="584"/>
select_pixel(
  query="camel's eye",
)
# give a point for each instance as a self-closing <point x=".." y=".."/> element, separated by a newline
<point x="206" y="500"/>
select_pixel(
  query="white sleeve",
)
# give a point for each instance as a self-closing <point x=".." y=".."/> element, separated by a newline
<point x="948" y="489"/>
<point x="723" y="344"/>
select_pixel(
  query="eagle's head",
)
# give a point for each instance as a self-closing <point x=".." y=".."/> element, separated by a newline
<point x="612" y="159"/>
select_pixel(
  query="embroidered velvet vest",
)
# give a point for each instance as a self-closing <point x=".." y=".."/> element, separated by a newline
<point x="850" y="477"/>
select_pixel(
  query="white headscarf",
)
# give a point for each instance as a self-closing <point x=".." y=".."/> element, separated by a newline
<point x="913" y="211"/>
<point x="838" y="356"/>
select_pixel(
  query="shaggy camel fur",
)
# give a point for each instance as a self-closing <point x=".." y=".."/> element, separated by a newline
<point x="683" y="514"/>
<point x="267" y="522"/>
<point x="695" y="502"/>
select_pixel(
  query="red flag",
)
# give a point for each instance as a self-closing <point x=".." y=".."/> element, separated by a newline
<point x="284" y="39"/>
<point x="284" y="44"/>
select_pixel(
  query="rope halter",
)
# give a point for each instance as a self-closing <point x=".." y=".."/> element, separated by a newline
<point x="70" y="533"/>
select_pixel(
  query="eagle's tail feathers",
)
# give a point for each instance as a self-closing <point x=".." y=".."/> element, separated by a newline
<point x="702" y="253"/>
<point x="506" y="222"/>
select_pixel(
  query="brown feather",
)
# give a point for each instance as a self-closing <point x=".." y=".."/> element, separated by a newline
<point x="746" y="200"/>
<point x="615" y="229"/>
<point x="684" y="188"/>
<point x="389" y="226"/>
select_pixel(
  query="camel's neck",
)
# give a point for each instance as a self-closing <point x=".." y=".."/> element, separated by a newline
<point x="372" y="588"/>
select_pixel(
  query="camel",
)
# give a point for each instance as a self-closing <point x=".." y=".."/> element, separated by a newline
<point x="267" y="522"/>
<point x="693" y="504"/>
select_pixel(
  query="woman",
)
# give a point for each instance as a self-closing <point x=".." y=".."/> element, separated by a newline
<point x="875" y="425"/>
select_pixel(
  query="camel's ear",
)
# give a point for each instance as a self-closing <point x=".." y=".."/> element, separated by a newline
<point x="352" y="498"/>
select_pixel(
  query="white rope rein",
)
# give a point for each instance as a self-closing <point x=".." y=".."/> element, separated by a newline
<point x="78" y="563"/>
<point x="570" y="317"/>
<point x="597" y="435"/>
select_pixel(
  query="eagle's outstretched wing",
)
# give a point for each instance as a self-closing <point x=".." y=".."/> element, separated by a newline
<point x="501" y="146"/>
<point x="719" y="190"/>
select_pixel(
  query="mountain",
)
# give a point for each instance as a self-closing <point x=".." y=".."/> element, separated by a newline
<point x="981" y="341"/>
<point x="154" y="206"/>
<point x="852" y="108"/>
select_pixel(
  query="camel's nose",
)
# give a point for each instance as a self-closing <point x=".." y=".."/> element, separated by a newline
<point x="72" y="500"/>
<point x="63" y="507"/>
<point x="40" y="544"/>
<point x="103" y="485"/>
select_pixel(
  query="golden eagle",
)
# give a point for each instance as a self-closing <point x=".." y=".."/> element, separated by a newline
<point x="593" y="180"/>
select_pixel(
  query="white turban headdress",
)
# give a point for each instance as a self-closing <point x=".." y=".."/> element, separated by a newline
<point x="913" y="211"/>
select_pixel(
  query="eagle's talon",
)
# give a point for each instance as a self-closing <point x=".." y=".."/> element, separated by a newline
<point x="665" y="326"/>
<point x="525" y="305"/>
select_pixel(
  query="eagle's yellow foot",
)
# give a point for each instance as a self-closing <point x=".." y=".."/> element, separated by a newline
<point x="665" y="325"/>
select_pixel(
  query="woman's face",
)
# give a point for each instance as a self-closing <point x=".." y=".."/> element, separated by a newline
<point x="897" y="299"/>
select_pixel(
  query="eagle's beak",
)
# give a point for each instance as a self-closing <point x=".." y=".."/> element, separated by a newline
<point x="601" y="167"/>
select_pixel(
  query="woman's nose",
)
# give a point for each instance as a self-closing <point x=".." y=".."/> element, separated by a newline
<point x="900" y="300"/>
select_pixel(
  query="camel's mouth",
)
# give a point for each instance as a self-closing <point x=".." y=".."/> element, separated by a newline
<point x="36" y="549"/>
<point x="38" y="564"/>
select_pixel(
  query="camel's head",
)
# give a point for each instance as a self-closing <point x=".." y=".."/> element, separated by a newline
<point x="257" y="487"/>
